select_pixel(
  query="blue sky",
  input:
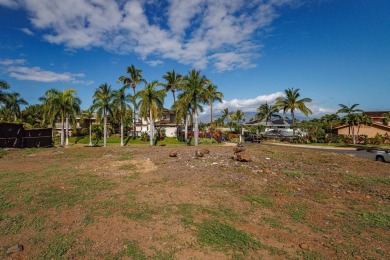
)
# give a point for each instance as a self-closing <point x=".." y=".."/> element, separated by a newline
<point x="334" y="51"/>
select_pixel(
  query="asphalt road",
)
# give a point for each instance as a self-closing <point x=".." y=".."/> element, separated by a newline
<point x="368" y="155"/>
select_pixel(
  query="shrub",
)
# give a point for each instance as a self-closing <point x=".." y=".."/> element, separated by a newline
<point x="2" y="153"/>
<point x="145" y="136"/>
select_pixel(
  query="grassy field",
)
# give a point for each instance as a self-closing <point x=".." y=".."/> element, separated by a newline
<point x="137" y="202"/>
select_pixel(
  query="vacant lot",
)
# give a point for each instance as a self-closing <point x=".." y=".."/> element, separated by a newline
<point x="137" y="202"/>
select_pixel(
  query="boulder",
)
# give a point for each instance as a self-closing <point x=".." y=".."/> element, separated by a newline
<point x="173" y="154"/>
<point x="238" y="149"/>
<point x="241" y="157"/>
<point x="205" y="151"/>
<point x="198" y="153"/>
<point x="15" y="249"/>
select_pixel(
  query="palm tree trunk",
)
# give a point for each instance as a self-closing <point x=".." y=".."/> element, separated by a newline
<point x="62" y="131"/>
<point x="186" y="129"/>
<point x="121" y="130"/>
<point x="135" y="112"/>
<point x="353" y="134"/>
<point x="211" y="113"/>
<point x="196" y="130"/>
<point x="67" y="130"/>
<point x="90" y="133"/>
<point x="105" y="130"/>
<point x="293" y="122"/>
<point x="151" y="128"/>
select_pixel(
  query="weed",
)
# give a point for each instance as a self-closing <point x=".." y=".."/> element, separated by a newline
<point x="375" y="219"/>
<point x="58" y="246"/>
<point x="5" y="204"/>
<point x="293" y="174"/>
<point x="320" y="197"/>
<point x="274" y="222"/>
<point x="12" y="224"/>
<point x="310" y="255"/>
<point x="224" y="237"/>
<point x="297" y="212"/>
<point x="259" y="200"/>
<point x="38" y="223"/>
<point x="128" y="167"/>
<point x="3" y="153"/>
<point x="126" y="156"/>
<point x="132" y="250"/>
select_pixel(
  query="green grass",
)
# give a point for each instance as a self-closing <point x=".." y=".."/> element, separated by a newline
<point x="223" y="237"/>
<point x="58" y="245"/>
<point x="3" y="153"/>
<point x="132" y="250"/>
<point x="258" y="199"/>
<point x="297" y="212"/>
<point x="11" y="224"/>
<point x="375" y="219"/>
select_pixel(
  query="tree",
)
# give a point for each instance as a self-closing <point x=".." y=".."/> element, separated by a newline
<point x="60" y="104"/>
<point x="121" y="106"/>
<point x="226" y="114"/>
<point x="350" y="117"/>
<point x="134" y="79"/>
<point x="330" y="119"/>
<point x="291" y="102"/>
<point x="88" y="115"/>
<point x="194" y="92"/>
<point x="102" y="101"/>
<point x="183" y="109"/>
<point x="267" y="112"/>
<point x="3" y="95"/>
<point x="212" y="95"/>
<point x="386" y="118"/>
<point x="32" y="116"/>
<point x="174" y="82"/>
<point x="151" y="104"/>
<point x="12" y="103"/>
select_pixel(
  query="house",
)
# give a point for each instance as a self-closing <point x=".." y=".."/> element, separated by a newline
<point x="277" y="124"/>
<point x="80" y="124"/>
<point x="377" y="127"/>
<point x="167" y="121"/>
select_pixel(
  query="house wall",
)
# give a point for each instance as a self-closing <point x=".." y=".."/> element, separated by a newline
<point x="370" y="131"/>
<point x="170" y="131"/>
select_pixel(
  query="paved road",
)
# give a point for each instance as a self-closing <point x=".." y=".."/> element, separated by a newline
<point x="368" y="155"/>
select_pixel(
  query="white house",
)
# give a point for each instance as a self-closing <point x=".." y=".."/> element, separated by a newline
<point x="167" y="121"/>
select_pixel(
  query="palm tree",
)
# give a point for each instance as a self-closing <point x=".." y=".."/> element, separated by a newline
<point x="3" y="95"/>
<point x="88" y="115"/>
<point x="121" y="106"/>
<point x="102" y="101"/>
<point x="292" y="102"/>
<point x="238" y="116"/>
<point x="194" y="92"/>
<point x="348" y="119"/>
<point x="183" y="109"/>
<point x="61" y="104"/>
<point x="212" y="95"/>
<point x="330" y="120"/>
<point x="71" y="108"/>
<point x="12" y="105"/>
<point x="267" y="112"/>
<point x="174" y="81"/>
<point x="226" y="114"/>
<point x="151" y="104"/>
<point x="134" y="79"/>
<point x="363" y="119"/>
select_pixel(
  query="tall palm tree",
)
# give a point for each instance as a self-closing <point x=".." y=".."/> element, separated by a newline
<point x="183" y="110"/>
<point x="330" y="119"/>
<point x="363" y="119"/>
<point x="291" y="102"/>
<point x="226" y="114"/>
<point x="151" y="104"/>
<point x="12" y="103"/>
<point x="88" y="115"/>
<point x="174" y="82"/>
<point x="60" y="104"/>
<point x="71" y="108"/>
<point x="267" y="112"/>
<point x="194" y="91"/>
<point x="213" y="95"/>
<point x="102" y="101"/>
<point x="121" y="106"/>
<point x="3" y="95"/>
<point x="349" y="118"/>
<point x="134" y="79"/>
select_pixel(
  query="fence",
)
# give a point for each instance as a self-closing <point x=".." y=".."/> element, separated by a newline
<point x="15" y="136"/>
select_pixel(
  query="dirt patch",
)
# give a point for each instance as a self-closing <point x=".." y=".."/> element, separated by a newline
<point x="138" y="202"/>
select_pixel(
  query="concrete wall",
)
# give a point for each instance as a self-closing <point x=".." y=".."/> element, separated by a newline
<point x="370" y="131"/>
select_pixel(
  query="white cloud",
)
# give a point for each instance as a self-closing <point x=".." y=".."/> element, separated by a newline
<point x="222" y="33"/>
<point x="154" y="63"/>
<point x="8" y="62"/>
<point x="40" y="75"/>
<point x="27" y="31"/>
<point x="248" y="105"/>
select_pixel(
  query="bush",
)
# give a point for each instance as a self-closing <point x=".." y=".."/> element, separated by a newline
<point x="145" y="136"/>
<point x="2" y="153"/>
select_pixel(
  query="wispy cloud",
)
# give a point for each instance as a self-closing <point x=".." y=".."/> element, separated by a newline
<point x="14" y="70"/>
<point x="198" y="32"/>
<point x="9" y="62"/>
<point x="154" y="63"/>
<point x="27" y="31"/>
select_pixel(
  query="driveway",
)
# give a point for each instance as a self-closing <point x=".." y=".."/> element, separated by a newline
<point x="368" y="155"/>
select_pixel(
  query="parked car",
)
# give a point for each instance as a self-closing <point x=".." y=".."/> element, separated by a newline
<point x="252" y="138"/>
<point x="383" y="156"/>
